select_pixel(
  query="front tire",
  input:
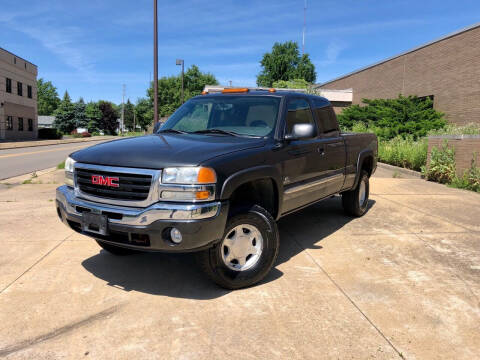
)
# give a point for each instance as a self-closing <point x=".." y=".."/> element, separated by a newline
<point x="115" y="250"/>
<point x="247" y="251"/>
<point x="355" y="202"/>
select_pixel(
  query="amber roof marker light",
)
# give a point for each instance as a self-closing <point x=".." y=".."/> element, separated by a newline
<point x="235" y="90"/>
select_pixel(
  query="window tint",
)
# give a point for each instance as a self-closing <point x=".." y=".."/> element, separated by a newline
<point x="244" y="115"/>
<point x="195" y="119"/>
<point x="327" y="120"/>
<point x="29" y="91"/>
<point x="298" y="112"/>
<point x="19" y="88"/>
<point x="30" y="124"/>
<point x="9" y="85"/>
<point x="9" y="123"/>
<point x="20" y="124"/>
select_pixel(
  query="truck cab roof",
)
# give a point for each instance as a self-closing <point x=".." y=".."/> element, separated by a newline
<point x="266" y="92"/>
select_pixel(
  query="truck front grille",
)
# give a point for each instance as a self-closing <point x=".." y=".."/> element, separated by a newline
<point x="131" y="186"/>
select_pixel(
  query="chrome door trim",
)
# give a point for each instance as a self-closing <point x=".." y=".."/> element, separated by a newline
<point x="312" y="184"/>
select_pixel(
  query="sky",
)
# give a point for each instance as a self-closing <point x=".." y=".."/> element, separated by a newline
<point x="91" y="48"/>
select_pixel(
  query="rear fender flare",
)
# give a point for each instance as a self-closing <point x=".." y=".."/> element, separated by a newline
<point x="364" y="154"/>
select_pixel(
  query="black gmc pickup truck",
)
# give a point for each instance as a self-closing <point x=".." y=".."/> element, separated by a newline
<point x="215" y="178"/>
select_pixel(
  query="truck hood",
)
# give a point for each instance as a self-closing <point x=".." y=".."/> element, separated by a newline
<point x="159" y="151"/>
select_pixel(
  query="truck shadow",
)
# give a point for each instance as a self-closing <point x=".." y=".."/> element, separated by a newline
<point x="177" y="275"/>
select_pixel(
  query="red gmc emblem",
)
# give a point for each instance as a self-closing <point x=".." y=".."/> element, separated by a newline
<point x="105" y="181"/>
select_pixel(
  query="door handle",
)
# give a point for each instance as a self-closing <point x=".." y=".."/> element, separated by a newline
<point x="321" y="151"/>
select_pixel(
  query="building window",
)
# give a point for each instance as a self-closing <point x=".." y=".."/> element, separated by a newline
<point x="29" y="91"/>
<point x="19" y="88"/>
<point x="20" y="124"/>
<point x="9" y="123"/>
<point x="30" y="124"/>
<point x="9" y="85"/>
<point x="14" y="60"/>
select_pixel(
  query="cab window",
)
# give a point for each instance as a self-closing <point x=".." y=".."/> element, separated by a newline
<point x="326" y="118"/>
<point x="298" y="112"/>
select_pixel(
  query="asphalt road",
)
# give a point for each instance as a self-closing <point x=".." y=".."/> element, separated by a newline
<point x="14" y="162"/>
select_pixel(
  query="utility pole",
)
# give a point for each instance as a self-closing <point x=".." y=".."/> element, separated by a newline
<point x="122" y="123"/>
<point x="155" y="63"/>
<point x="134" y="118"/>
<point x="181" y="62"/>
<point x="304" y="26"/>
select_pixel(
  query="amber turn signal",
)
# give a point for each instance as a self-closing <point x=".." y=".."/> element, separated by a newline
<point x="206" y="176"/>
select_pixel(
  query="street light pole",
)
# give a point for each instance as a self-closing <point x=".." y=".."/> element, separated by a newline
<point x="181" y="62"/>
<point x="155" y="63"/>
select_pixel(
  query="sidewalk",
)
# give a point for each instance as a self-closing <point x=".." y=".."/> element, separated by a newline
<point x="33" y="143"/>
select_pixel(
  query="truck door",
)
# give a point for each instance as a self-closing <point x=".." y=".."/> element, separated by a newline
<point x="331" y="145"/>
<point x="299" y="158"/>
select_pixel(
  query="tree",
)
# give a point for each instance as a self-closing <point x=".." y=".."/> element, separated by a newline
<point x="285" y="63"/>
<point x="80" y="116"/>
<point x="144" y="113"/>
<point x="129" y="115"/>
<point x="109" y="119"/>
<point x="94" y="116"/>
<point x="169" y="89"/>
<point x="291" y="84"/>
<point x="65" y="115"/>
<point x="47" y="97"/>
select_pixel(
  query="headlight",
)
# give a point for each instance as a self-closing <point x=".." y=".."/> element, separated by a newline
<point x="69" y="165"/>
<point x="189" y="175"/>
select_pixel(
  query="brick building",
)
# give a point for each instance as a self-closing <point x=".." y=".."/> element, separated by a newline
<point x="446" y="69"/>
<point x="18" y="97"/>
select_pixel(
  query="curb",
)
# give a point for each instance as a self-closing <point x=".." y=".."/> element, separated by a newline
<point x="16" y="180"/>
<point x="18" y="145"/>
<point x="400" y="170"/>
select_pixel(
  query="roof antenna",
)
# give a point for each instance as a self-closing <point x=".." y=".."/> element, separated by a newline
<point x="304" y="26"/>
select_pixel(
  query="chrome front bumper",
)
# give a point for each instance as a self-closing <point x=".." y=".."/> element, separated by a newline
<point x="131" y="216"/>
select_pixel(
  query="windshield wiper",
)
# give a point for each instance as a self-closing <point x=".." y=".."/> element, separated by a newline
<point x="216" y="131"/>
<point x="171" y="131"/>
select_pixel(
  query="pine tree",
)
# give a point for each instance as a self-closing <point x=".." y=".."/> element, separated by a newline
<point x="65" y="115"/>
<point x="80" y="116"/>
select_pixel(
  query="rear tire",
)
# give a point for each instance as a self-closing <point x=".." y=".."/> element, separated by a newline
<point x="355" y="202"/>
<point x="247" y="251"/>
<point x="115" y="250"/>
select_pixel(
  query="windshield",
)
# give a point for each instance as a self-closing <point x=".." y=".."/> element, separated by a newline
<point x="240" y="115"/>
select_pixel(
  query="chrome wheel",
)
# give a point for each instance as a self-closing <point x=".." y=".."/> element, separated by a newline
<point x="362" y="193"/>
<point x="242" y="247"/>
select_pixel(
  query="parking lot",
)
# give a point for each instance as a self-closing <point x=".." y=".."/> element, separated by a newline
<point x="401" y="282"/>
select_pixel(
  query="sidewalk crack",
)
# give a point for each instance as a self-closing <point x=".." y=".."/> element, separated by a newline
<point x="35" y="263"/>
<point x="348" y="297"/>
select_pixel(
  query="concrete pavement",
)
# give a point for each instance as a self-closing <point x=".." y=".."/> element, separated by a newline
<point x="14" y="162"/>
<point x="401" y="282"/>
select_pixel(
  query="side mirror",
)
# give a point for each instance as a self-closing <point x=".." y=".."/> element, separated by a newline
<point x="156" y="127"/>
<point x="301" y="131"/>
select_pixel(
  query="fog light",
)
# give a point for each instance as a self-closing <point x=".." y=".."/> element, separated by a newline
<point x="176" y="236"/>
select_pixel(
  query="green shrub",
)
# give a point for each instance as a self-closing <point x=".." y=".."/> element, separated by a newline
<point x="452" y="129"/>
<point x="406" y="153"/>
<point x="470" y="179"/>
<point x="442" y="165"/>
<point x="389" y="118"/>
<point x="52" y="133"/>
